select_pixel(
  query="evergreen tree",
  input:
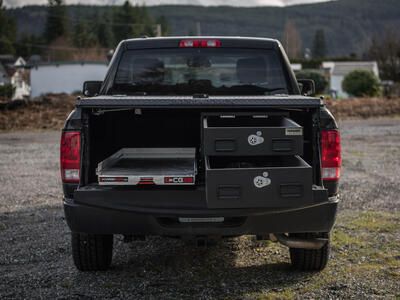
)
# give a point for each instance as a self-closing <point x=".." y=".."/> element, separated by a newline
<point x="146" y="25"/>
<point x="104" y="33"/>
<point x="319" y="44"/>
<point x="56" y="20"/>
<point x="26" y="46"/>
<point x="123" y="20"/>
<point x="7" y="32"/>
<point x="162" y="21"/>
<point x="132" y="21"/>
<point x="83" y="35"/>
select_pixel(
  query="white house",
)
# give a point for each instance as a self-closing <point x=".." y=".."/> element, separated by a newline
<point x="13" y="71"/>
<point x="64" y="77"/>
<point x="20" y="80"/>
<point x="296" y="67"/>
<point x="338" y="70"/>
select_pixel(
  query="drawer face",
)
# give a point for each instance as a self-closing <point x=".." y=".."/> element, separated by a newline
<point x="283" y="137"/>
<point x="286" y="184"/>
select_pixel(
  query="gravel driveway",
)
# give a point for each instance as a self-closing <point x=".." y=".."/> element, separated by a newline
<point x="35" y="255"/>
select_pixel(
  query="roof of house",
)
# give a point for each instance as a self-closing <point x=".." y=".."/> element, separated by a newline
<point x="20" y="62"/>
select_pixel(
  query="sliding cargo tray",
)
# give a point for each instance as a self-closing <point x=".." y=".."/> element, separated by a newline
<point x="149" y="166"/>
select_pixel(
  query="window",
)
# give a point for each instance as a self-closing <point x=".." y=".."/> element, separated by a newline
<point x="219" y="71"/>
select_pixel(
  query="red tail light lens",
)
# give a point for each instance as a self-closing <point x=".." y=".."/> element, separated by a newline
<point x="200" y="43"/>
<point x="70" y="156"/>
<point x="331" y="154"/>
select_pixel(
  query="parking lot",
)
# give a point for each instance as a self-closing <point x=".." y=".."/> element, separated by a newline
<point x="35" y="255"/>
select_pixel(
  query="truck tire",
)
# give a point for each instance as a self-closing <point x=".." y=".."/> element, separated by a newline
<point x="310" y="260"/>
<point x="92" y="252"/>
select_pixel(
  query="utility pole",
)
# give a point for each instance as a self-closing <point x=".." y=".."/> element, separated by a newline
<point x="158" y="30"/>
<point x="198" y="29"/>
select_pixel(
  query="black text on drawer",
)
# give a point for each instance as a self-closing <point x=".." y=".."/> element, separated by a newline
<point x="275" y="182"/>
<point x="270" y="136"/>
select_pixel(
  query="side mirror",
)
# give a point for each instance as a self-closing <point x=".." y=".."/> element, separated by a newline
<point x="91" y="88"/>
<point x="307" y="87"/>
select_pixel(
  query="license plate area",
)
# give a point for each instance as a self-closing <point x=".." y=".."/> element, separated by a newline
<point x="248" y="182"/>
<point x="202" y="220"/>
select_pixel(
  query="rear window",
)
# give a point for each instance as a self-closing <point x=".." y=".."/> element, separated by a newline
<point x="218" y="71"/>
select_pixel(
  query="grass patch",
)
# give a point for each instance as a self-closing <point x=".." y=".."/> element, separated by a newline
<point x="356" y="153"/>
<point x="272" y="295"/>
<point x="341" y="239"/>
<point x="364" y="245"/>
<point x="376" y="221"/>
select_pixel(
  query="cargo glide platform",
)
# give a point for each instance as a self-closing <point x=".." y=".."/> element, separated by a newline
<point x="149" y="166"/>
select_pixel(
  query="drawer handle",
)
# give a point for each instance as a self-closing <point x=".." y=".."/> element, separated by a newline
<point x="229" y="192"/>
<point x="282" y="145"/>
<point x="291" y="190"/>
<point x="225" y="145"/>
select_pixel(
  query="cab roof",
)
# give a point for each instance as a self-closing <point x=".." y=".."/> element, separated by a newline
<point x="226" y="42"/>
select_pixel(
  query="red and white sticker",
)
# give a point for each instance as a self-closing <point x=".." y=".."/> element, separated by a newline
<point x="179" y="180"/>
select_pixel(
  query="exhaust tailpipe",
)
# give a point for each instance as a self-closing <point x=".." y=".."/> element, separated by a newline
<point x="293" y="242"/>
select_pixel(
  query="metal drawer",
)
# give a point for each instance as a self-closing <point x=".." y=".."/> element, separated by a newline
<point x="276" y="182"/>
<point x="251" y="135"/>
<point x="149" y="166"/>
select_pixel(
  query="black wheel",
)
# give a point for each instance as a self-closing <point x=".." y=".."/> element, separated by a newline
<point x="310" y="260"/>
<point x="92" y="252"/>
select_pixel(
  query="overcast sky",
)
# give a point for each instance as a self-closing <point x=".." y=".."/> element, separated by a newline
<point x="14" y="3"/>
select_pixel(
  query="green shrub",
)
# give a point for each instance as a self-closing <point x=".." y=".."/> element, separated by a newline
<point x="6" y="91"/>
<point x="361" y="83"/>
<point x="320" y="82"/>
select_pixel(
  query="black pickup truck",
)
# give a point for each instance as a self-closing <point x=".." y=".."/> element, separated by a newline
<point x="200" y="138"/>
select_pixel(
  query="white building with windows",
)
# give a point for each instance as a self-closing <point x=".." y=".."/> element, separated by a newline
<point x="13" y="71"/>
<point x="20" y="80"/>
<point x="337" y="71"/>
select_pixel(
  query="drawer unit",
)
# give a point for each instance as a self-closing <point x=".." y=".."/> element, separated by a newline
<point x="251" y="135"/>
<point x="275" y="182"/>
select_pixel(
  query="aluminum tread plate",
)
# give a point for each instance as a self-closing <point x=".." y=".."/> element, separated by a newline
<point x="296" y="101"/>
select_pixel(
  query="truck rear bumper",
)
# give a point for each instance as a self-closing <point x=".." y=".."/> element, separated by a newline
<point x="140" y="221"/>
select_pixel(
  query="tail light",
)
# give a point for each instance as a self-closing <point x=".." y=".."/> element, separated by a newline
<point x="200" y="43"/>
<point x="331" y="158"/>
<point x="70" y="156"/>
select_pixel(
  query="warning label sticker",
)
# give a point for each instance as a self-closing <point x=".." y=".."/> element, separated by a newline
<point x="294" y="131"/>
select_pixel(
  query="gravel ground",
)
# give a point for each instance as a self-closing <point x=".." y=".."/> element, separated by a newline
<point x="35" y="255"/>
